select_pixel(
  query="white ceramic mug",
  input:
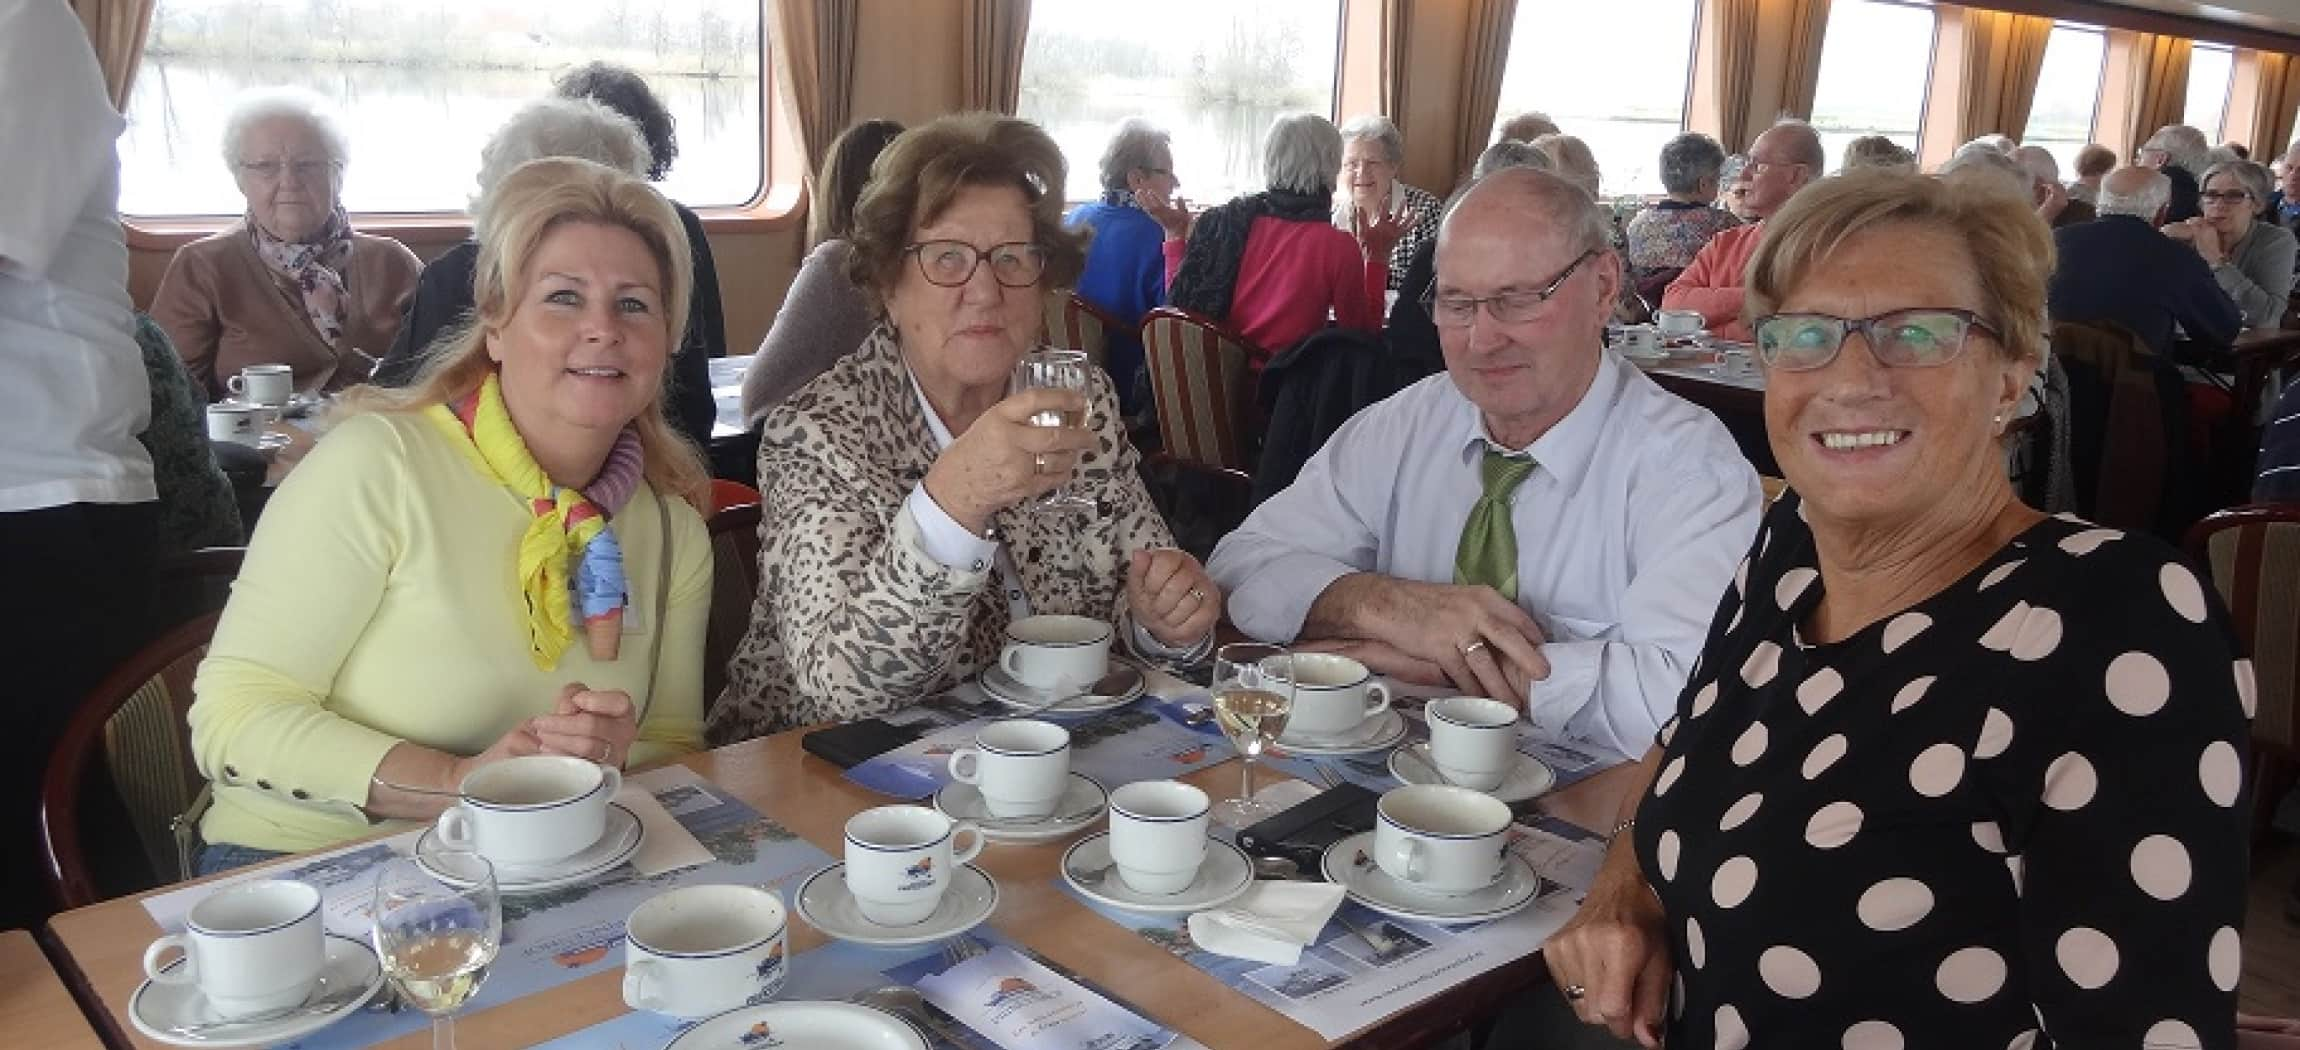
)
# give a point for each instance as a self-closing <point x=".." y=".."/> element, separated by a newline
<point x="1473" y="740"/>
<point x="1158" y="835"/>
<point x="1021" y="766"/>
<point x="237" y="422"/>
<point x="1333" y="695"/>
<point x="900" y="859"/>
<point x="253" y="948"/>
<point x="1441" y="839"/>
<point x="1056" y="652"/>
<point x="268" y="385"/>
<point x="1675" y="323"/>
<point x="531" y="810"/>
<point x="1640" y="339"/>
<point x="704" y="950"/>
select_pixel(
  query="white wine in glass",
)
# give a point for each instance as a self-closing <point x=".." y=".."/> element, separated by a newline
<point x="1253" y="699"/>
<point x="438" y="924"/>
<point x="1056" y="370"/>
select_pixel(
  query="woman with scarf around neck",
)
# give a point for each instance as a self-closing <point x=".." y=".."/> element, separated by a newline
<point x="506" y="558"/>
<point x="1125" y="271"/>
<point x="291" y="283"/>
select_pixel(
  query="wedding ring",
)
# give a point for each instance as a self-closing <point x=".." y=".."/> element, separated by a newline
<point x="1473" y="647"/>
<point x="605" y="749"/>
<point x="1575" y="992"/>
<point x="1197" y="595"/>
<point x="1038" y="463"/>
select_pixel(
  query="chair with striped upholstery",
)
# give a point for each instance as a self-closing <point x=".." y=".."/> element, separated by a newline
<point x="2254" y="555"/>
<point x="1073" y="323"/>
<point x="1200" y="382"/>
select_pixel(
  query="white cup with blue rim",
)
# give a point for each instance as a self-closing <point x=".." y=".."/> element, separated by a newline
<point x="1021" y="766"/>
<point x="253" y="948"/>
<point x="1158" y="835"/>
<point x="899" y="860"/>
<point x="1333" y="694"/>
<point x="1473" y="740"/>
<point x="1441" y="839"/>
<point x="531" y="810"/>
<point x="703" y="950"/>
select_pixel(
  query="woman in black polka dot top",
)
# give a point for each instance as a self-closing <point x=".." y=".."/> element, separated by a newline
<point x="1949" y="773"/>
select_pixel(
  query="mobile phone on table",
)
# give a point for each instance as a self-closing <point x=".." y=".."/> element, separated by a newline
<point x="1302" y="832"/>
<point x="850" y="744"/>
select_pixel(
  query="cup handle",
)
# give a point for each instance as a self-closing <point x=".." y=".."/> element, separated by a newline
<point x="613" y="778"/>
<point x="455" y="828"/>
<point x="1408" y="854"/>
<point x="180" y="975"/>
<point x="1377" y="699"/>
<point x="1010" y="660"/>
<point x="971" y="759"/>
<point x="235" y="384"/>
<point x="635" y="974"/>
<point x="973" y="849"/>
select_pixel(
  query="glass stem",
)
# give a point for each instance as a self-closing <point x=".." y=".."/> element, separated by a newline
<point x="443" y="1032"/>
<point x="1246" y="778"/>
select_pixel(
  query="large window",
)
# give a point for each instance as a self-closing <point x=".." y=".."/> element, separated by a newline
<point x="1875" y="60"/>
<point x="420" y="85"/>
<point x="2067" y="93"/>
<point x="1213" y="73"/>
<point x="2210" y="67"/>
<point x="1563" y="61"/>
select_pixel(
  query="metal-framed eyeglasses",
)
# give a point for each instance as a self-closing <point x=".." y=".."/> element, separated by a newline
<point x="1923" y="337"/>
<point x="271" y="170"/>
<point x="1512" y="307"/>
<point x="948" y="264"/>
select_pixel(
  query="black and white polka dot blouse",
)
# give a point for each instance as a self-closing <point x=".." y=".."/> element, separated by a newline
<point x="2009" y="816"/>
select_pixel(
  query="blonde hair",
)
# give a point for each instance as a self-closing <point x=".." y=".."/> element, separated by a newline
<point x="534" y="199"/>
<point x="2007" y="245"/>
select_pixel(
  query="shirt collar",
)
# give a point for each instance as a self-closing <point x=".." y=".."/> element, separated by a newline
<point x="934" y="424"/>
<point x="1565" y="449"/>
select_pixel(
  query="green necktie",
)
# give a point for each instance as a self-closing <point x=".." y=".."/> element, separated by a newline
<point x="1488" y="551"/>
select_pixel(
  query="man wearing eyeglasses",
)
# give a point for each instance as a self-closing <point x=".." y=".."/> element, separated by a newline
<point x="1783" y="160"/>
<point x="1540" y="523"/>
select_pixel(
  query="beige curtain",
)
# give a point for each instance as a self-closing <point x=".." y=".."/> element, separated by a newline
<point x="1397" y="16"/>
<point x="2278" y="101"/>
<point x="814" y="44"/>
<point x="117" y="28"/>
<point x="991" y="40"/>
<point x="1732" y="29"/>
<point x="2159" y="91"/>
<point x="2004" y="56"/>
<point x="1807" y="22"/>
<point x="1484" y="55"/>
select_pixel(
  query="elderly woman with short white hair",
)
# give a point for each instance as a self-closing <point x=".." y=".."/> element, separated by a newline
<point x="1373" y="152"/>
<point x="290" y="282"/>
<point x="1125" y="272"/>
<point x="1575" y="163"/>
<point x="2181" y="153"/>
<point x="2252" y="260"/>
<point x="1664" y="238"/>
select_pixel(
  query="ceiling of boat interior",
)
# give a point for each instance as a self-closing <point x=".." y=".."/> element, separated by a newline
<point x="2275" y="16"/>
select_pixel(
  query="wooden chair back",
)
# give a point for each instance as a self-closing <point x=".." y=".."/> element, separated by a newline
<point x="725" y="493"/>
<point x="734" y="586"/>
<point x="1200" y="382"/>
<point x="2253" y="553"/>
<point x="1073" y="323"/>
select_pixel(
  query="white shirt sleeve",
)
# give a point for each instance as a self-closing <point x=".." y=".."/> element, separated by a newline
<point x="1297" y="543"/>
<point x="943" y="538"/>
<point x="56" y="135"/>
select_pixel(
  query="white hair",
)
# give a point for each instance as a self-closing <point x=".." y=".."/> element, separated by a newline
<point x="1377" y="128"/>
<point x="2185" y="146"/>
<point x="1136" y="143"/>
<point x="1573" y="160"/>
<point x="1509" y="153"/>
<point x="261" y="105"/>
<point x="1303" y="154"/>
<point x="559" y="127"/>
<point x="2039" y="162"/>
<point x="1984" y="165"/>
<point x="1998" y="141"/>
<point x="2143" y="205"/>
<point x="2254" y="179"/>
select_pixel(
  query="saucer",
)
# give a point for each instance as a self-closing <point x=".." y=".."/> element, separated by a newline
<point x="350" y="964"/>
<point x="1373" y="734"/>
<point x="1222" y="877"/>
<point x="1083" y="800"/>
<point x="1528" y="777"/>
<point x="1122" y="684"/>
<point x="814" y="1025"/>
<point x="616" y="845"/>
<point x="272" y="441"/>
<point x="1369" y="885"/>
<point x="824" y="902"/>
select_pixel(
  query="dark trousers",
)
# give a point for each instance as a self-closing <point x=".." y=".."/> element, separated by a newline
<point x="77" y="583"/>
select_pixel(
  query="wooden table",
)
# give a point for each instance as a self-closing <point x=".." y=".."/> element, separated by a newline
<point x="35" y="1010"/>
<point x="105" y="942"/>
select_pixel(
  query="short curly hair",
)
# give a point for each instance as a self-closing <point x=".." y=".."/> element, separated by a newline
<point x="624" y="92"/>
<point x="921" y="174"/>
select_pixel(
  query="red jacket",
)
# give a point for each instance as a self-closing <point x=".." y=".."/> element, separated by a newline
<point x="1716" y="282"/>
<point x="1292" y="273"/>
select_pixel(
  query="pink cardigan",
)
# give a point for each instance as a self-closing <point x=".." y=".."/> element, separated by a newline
<point x="1291" y="274"/>
<point x="1717" y="281"/>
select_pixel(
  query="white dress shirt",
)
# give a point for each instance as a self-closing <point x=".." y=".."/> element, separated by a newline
<point x="1628" y="532"/>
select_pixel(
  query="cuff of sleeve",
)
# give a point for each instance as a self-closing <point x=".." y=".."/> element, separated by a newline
<point x="1146" y="644"/>
<point x="339" y="780"/>
<point x="1554" y="701"/>
<point x="940" y="537"/>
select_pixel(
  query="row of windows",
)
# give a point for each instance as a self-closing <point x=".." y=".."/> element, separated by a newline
<point x="420" y="85"/>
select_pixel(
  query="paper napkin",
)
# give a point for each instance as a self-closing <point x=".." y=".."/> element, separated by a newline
<point x="668" y="845"/>
<point x="1271" y="922"/>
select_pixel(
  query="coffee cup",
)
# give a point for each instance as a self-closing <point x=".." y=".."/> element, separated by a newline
<point x="268" y="385"/>
<point x="900" y="859"/>
<point x="531" y="810"/>
<point x="237" y="422"/>
<point x="253" y="948"/>
<point x="1640" y="339"/>
<point x="1675" y="323"/>
<point x="1473" y="740"/>
<point x="1056" y="652"/>
<point x="1158" y="835"/>
<point x="1333" y="695"/>
<point x="1021" y="766"/>
<point x="703" y="950"/>
<point x="1441" y="839"/>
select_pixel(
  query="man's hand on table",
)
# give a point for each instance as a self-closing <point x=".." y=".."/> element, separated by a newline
<point x="1483" y="643"/>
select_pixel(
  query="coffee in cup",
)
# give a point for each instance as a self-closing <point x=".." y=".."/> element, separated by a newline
<point x="531" y="810"/>
<point x="703" y="950"/>
<point x="1158" y="835"/>
<point x="237" y="422"/>
<point x="268" y="385"/>
<point x="1021" y="766"/>
<point x="900" y="859"/>
<point x="1473" y="740"/>
<point x="1056" y="652"/>
<point x="252" y="948"/>
<point x="1333" y="694"/>
<point x="1441" y="839"/>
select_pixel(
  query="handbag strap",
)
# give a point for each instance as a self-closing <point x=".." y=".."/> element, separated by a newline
<point x="662" y="605"/>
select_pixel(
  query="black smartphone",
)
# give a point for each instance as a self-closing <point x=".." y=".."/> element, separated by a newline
<point x="852" y="743"/>
<point x="1302" y="832"/>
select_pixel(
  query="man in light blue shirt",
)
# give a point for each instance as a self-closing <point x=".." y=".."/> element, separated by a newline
<point x="1540" y="523"/>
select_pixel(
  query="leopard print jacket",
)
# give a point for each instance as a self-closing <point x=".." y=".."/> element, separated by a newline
<point x="853" y="618"/>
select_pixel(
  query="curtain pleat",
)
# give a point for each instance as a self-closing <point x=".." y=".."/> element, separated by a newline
<point x="1397" y="18"/>
<point x="1732" y="29"/>
<point x="118" y="29"/>
<point x="1808" y="24"/>
<point x="2159" y="84"/>
<point x="2279" y="101"/>
<point x="2004" y="57"/>
<point x="992" y="37"/>
<point x="1485" y="55"/>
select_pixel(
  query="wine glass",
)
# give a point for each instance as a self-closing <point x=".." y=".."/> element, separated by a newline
<point x="438" y="923"/>
<point x="1055" y="370"/>
<point x="1253" y="698"/>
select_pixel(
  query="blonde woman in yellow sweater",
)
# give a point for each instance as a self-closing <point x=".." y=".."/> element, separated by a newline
<point x="507" y="558"/>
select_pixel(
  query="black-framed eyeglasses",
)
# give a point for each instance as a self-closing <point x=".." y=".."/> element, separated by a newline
<point x="1515" y="307"/>
<point x="1923" y="337"/>
<point x="2224" y="196"/>
<point x="948" y="264"/>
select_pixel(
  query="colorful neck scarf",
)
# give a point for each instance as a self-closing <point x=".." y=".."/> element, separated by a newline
<point x="1119" y="198"/>
<point x="569" y="525"/>
<point x="315" y="268"/>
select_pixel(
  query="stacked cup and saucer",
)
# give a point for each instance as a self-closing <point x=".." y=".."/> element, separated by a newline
<point x="1061" y="666"/>
<point x="1014" y="783"/>
<point x="1473" y="744"/>
<point x="1157" y="857"/>
<point x="260" y="395"/>
<point x="545" y="822"/>
<point x="257" y="967"/>
<point x="905" y="880"/>
<point x="1339" y="709"/>
<point x="1438" y="854"/>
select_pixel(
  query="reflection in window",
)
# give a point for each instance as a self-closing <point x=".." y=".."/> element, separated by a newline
<point x="420" y="86"/>
<point x="1563" y="61"/>
<point x="2067" y="93"/>
<point x="1213" y="73"/>
<point x="1872" y="81"/>
<point x="2210" y="66"/>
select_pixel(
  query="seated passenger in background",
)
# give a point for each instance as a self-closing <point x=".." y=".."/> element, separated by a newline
<point x="1271" y="265"/>
<point x="824" y="317"/>
<point x="2053" y="204"/>
<point x="1373" y="152"/>
<point x="2093" y="163"/>
<point x="2251" y="260"/>
<point x="2119" y="268"/>
<point x="1125" y="271"/>
<point x="1410" y="333"/>
<point x="1783" y="160"/>
<point x="290" y="283"/>
<point x="1526" y="127"/>
<point x="1571" y="159"/>
<point x="2182" y="154"/>
<point x="896" y="538"/>
<point x="1541" y="523"/>
<point x="1877" y="153"/>
<point x="387" y="627"/>
<point x="1664" y="238"/>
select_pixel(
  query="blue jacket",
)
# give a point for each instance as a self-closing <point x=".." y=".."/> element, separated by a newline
<point x="1126" y="277"/>
<point x="2118" y="268"/>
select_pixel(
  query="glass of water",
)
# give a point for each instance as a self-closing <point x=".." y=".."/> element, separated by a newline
<point x="1056" y="370"/>
<point x="438" y="924"/>
<point x="1253" y="699"/>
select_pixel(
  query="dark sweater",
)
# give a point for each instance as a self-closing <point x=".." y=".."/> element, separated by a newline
<point x="2118" y="268"/>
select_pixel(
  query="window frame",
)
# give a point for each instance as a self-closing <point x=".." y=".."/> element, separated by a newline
<point x="1684" y="98"/>
<point x="1932" y="67"/>
<point x="2099" y="79"/>
<point x="2218" y="133"/>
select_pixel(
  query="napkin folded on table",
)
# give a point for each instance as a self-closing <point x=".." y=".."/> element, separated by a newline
<point x="1270" y="923"/>
<point x="668" y="845"/>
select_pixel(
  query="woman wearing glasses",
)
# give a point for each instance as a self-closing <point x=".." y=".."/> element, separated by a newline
<point x="1949" y="772"/>
<point x="291" y="283"/>
<point x="897" y="535"/>
<point x="2251" y="259"/>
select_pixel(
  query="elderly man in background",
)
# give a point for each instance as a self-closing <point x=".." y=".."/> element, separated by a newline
<point x="2093" y="163"/>
<point x="2053" y="203"/>
<point x="1877" y="153"/>
<point x="1373" y="151"/>
<point x="1783" y="160"/>
<point x="1540" y="523"/>
<point x="2119" y="268"/>
<point x="2284" y="204"/>
<point x="1526" y="127"/>
<point x="1664" y="238"/>
<point x="2181" y="153"/>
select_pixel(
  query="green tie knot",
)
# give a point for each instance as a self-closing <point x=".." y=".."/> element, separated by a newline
<point x="1488" y="551"/>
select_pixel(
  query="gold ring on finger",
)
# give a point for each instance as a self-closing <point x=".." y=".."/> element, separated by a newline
<point x="1473" y="647"/>
<point x="1197" y="595"/>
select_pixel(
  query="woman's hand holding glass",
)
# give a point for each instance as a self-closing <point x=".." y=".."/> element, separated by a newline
<point x="1004" y="459"/>
<point x="1171" y="595"/>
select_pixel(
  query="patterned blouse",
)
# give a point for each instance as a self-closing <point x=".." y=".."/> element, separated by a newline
<point x="1669" y="234"/>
